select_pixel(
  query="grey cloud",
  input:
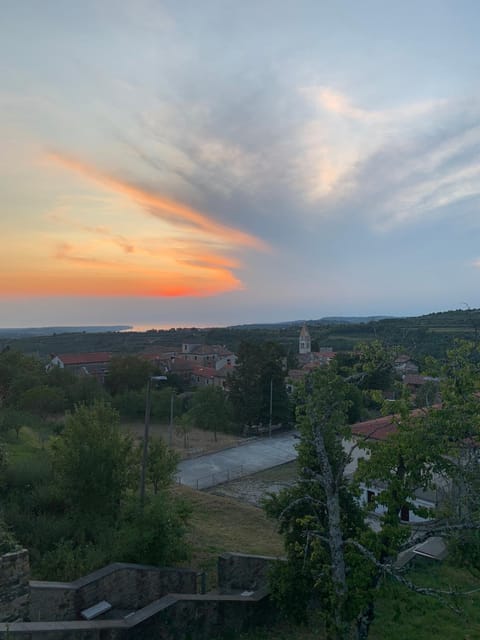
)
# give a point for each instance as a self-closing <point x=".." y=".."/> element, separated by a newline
<point x="422" y="176"/>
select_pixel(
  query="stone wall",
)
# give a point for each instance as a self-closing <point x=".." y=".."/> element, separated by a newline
<point x="14" y="590"/>
<point x="163" y="604"/>
<point x="173" y="617"/>
<point x="125" y="586"/>
<point x="241" y="572"/>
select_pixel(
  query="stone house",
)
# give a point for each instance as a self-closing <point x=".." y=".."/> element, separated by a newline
<point x="86" y="364"/>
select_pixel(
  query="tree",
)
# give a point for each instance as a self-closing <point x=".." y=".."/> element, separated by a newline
<point x="320" y="516"/>
<point x="17" y="374"/>
<point x="127" y="373"/>
<point x="94" y="465"/>
<point x="15" y="419"/>
<point x="43" y="400"/>
<point x="155" y="535"/>
<point x="210" y="410"/>
<point x="161" y="465"/>
<point x="258" y="377"/>
<point x="329" y="548"/>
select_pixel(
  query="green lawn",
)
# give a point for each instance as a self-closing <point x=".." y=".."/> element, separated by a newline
<point x="220" y="524"/>
<point x="403" y="614"/>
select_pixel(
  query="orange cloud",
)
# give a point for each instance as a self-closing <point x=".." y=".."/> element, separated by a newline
<point x="81" y="252"/>
<point x="158" y="205"/>
<point x="86" y="278"/>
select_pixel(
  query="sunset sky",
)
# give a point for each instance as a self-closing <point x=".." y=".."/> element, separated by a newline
<point x="185" y="162"/>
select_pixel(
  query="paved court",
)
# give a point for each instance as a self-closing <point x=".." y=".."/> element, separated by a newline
<point x="214" y="468"/>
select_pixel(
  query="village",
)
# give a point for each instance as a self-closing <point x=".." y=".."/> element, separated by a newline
<point x="95" y="602"/>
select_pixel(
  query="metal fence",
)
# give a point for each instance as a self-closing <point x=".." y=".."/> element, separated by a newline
<point x="212" y="479"/>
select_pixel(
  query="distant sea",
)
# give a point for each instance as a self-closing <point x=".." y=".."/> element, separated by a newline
<point x="166" y="327"/>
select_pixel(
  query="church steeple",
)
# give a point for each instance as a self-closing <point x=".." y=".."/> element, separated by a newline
<point x="304" y="342"/>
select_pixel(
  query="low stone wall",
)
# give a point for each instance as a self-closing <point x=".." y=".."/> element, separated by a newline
<point x="175" y="616"/>
<point x="125" y="586"/>
<point x="239" y="572"/>
<point x="14" y="589"/>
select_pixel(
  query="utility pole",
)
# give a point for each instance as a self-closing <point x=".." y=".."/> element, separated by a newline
<point x="146" y="430"/>
<point x="170" y="424"/>
<point x="271" y="406"/>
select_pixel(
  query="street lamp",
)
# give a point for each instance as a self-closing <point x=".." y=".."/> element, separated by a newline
<point x="145" y="434"/>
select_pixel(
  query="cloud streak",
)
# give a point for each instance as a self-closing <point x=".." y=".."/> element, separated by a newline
<point x="160" y="206"/>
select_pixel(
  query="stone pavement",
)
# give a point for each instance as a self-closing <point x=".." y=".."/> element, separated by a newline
<point x="221" y="466"/>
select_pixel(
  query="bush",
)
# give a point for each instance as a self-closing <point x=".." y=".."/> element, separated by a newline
<point x="155" y="534"/>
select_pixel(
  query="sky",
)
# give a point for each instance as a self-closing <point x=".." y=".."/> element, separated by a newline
<point x="185" y="163"/>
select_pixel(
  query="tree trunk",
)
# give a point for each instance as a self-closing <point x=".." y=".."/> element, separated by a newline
<point x="335" y="535"/>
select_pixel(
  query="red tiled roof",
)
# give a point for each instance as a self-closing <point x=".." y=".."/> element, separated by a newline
<point x="205" y="372"/>
<point x="381" y="428"/>
<point x="377" y="429"/>
<point x="84" y="358"/>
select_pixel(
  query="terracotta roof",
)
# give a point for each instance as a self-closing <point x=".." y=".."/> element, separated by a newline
<point x="84" y="358"/>
<point x="381" y="428"/>
<point x="377" y="429"/>
<point x="205" y="372"/>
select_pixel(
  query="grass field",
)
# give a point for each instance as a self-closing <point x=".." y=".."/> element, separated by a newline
<point x="220" y="524"/>
<point x="198" y="442"/>
<point x="224" y="524"/>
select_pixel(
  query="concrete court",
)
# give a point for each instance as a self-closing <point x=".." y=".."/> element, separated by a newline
<point x="214" y="468"/>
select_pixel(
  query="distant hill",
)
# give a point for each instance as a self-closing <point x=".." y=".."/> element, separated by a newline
<point x="325" y="320"/>
<point x="431" y="334"/>
<point x="353" y="319"/>
<point x="30" y="332"/>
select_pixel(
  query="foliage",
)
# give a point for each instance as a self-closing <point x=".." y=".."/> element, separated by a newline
<point x="17" y="374"/>
<point x="258" y="377"/>
<point x="94" y="465"/>
<point x="127" y="373"/>
<point x="327" y="544"/>
<point x="130" y="404"/>
<point x="154" y="534"/>
<point x="68" y="560"/>
<point x="43" y="400"/>
<point x="7" y="539"/>
<point x="56" y="500"/>
<point x="319" y="516"/>
<point x="404" y="463"/>
<point x="76" y="389"/>
<point x="162" y="464"/>
<point x="15" y="419"/>
<point x="210" y="410"/>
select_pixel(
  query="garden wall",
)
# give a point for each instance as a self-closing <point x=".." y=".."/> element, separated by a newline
<point x="14" y="588"/>
<point x="124" y="586"/>
<point x="151" y="604"/>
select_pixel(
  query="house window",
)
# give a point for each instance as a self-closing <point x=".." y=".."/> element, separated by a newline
<point x="405" y="513"/>
<point x="370" y="496"/>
